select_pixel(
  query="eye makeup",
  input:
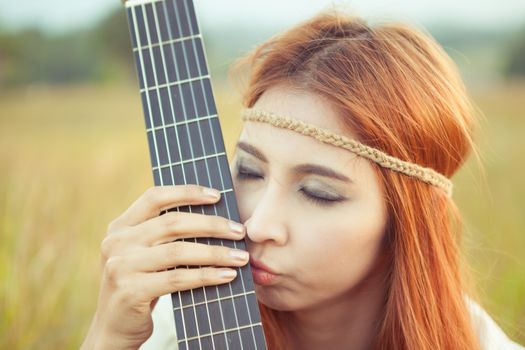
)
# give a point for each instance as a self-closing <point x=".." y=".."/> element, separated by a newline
<point x="312" y="190"/>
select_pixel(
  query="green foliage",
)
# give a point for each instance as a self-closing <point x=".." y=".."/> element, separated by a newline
<point x="102" y="53"/>
<point x="515" y="63"/>
<point x="31" y="57"/>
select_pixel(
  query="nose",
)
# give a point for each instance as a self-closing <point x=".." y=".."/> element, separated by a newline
<point x="268" y="220"/>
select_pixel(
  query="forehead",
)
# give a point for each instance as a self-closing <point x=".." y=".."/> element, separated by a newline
<point x="300" y="104"/>
<point x="288" y="145"/>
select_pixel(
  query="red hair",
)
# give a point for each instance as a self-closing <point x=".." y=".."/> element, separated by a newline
<point x="398" y="91"/>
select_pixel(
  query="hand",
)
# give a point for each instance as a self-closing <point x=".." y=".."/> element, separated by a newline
<point x="137" y="251"/>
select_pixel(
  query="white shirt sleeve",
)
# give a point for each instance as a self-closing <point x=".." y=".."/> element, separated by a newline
<point x="164" y="334"/>
<point x="490" y="335"/>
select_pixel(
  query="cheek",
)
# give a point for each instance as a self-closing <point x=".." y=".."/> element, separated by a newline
<point x="336" y="254"/>
<point x="246" y="201"/>
<point x="240" y="195"/>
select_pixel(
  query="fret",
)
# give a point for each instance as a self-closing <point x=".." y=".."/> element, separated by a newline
<point x="217" y="299"/>
<point x="230" y="330"/>
<point x="183" y="122"/>
<point x="184" y="171"/>
<point x="228" y="306"/>
<point x="182" y="151"/>
<point x="167" y="42"/>
<point x="175" y="83"/>
<point x="193" y="160"/>
<point x="175" y="104"/>
<point x="174" y="173"/>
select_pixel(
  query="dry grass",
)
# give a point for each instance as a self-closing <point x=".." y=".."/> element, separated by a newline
<point x="73" y="158"/>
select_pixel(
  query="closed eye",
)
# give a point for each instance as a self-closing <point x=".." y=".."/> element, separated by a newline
<point x="243" y="174"/>
<point x="247" y="174"/>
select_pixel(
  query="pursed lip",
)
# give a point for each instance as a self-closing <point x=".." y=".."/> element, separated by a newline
<point x="261" y="266"/>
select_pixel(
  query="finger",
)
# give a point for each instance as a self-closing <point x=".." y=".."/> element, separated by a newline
<point x="177" y="225"/>
<point x="170" y="281"/>
<point x="156" y="199"/>
<point x="179" y="253"/>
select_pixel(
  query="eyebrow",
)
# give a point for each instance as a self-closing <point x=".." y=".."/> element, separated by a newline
<point x="301" y="168"/>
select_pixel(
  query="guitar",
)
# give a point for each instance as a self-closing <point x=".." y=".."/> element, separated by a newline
<point x="186" y="147"/>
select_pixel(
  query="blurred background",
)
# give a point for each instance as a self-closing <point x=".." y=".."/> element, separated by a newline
<point x="73" y="151"/>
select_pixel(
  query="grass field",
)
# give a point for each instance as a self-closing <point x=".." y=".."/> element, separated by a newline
<point x="73" y="158"/>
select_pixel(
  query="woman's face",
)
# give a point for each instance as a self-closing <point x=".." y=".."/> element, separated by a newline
<point x="314" y="213"/>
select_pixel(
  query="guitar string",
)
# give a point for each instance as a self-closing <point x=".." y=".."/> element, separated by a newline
<point x="186" y="128"/>
<point x="215" y="210"/>
<point x="177" y="14"/>
<point x="144" y="81"/>
<point x="209" y="179"/>
<point x="175" y="127"/>
<point x="145" y="13"/>
<point x="241" y="275"/>
<point x="161" y="105"/>
<point x="142" y="66"/>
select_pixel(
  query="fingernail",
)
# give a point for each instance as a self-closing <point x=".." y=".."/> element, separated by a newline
<point x="229" y="273"/>
<point x="211" y="192"/>
<point x="236" y="228"/>
<point x="239" y="254"/>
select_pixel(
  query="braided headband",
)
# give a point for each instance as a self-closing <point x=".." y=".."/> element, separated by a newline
<point x="424" y="174"/>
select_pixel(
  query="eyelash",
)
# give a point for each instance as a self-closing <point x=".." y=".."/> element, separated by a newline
<point x="245" y="175"/>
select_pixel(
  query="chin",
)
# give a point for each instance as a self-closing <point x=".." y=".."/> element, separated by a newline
<point x="275" y="300"/>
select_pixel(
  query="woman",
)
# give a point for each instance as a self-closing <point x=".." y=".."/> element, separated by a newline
<point x="348" y="204"/>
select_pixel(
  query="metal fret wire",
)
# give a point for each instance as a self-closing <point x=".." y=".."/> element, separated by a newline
<point x="205" y="163"/>
<point x="222" y="182"/>
<point x="217" y="300"/>
<point x="194" y="120"/>
<point x="252" y="326"/>
<point x="167" y="42"/>
<point x="178" y="82"/>
<point x="186" y="161"/>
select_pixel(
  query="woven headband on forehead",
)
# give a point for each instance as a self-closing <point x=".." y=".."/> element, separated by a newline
<point x="427" y="175"/>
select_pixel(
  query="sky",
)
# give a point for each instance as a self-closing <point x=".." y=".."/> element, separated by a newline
<point x="64" y="15"/>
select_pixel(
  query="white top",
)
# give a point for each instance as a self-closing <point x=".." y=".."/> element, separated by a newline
<point x="490" y="334"/>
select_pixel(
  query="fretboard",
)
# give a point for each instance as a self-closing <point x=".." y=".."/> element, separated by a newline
<point x="186" y="147"/>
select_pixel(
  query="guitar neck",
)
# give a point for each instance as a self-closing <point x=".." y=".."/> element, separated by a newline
<point x="186" y="147"/>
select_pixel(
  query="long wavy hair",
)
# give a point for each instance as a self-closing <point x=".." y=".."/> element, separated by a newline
<point x="397" y="90"/>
